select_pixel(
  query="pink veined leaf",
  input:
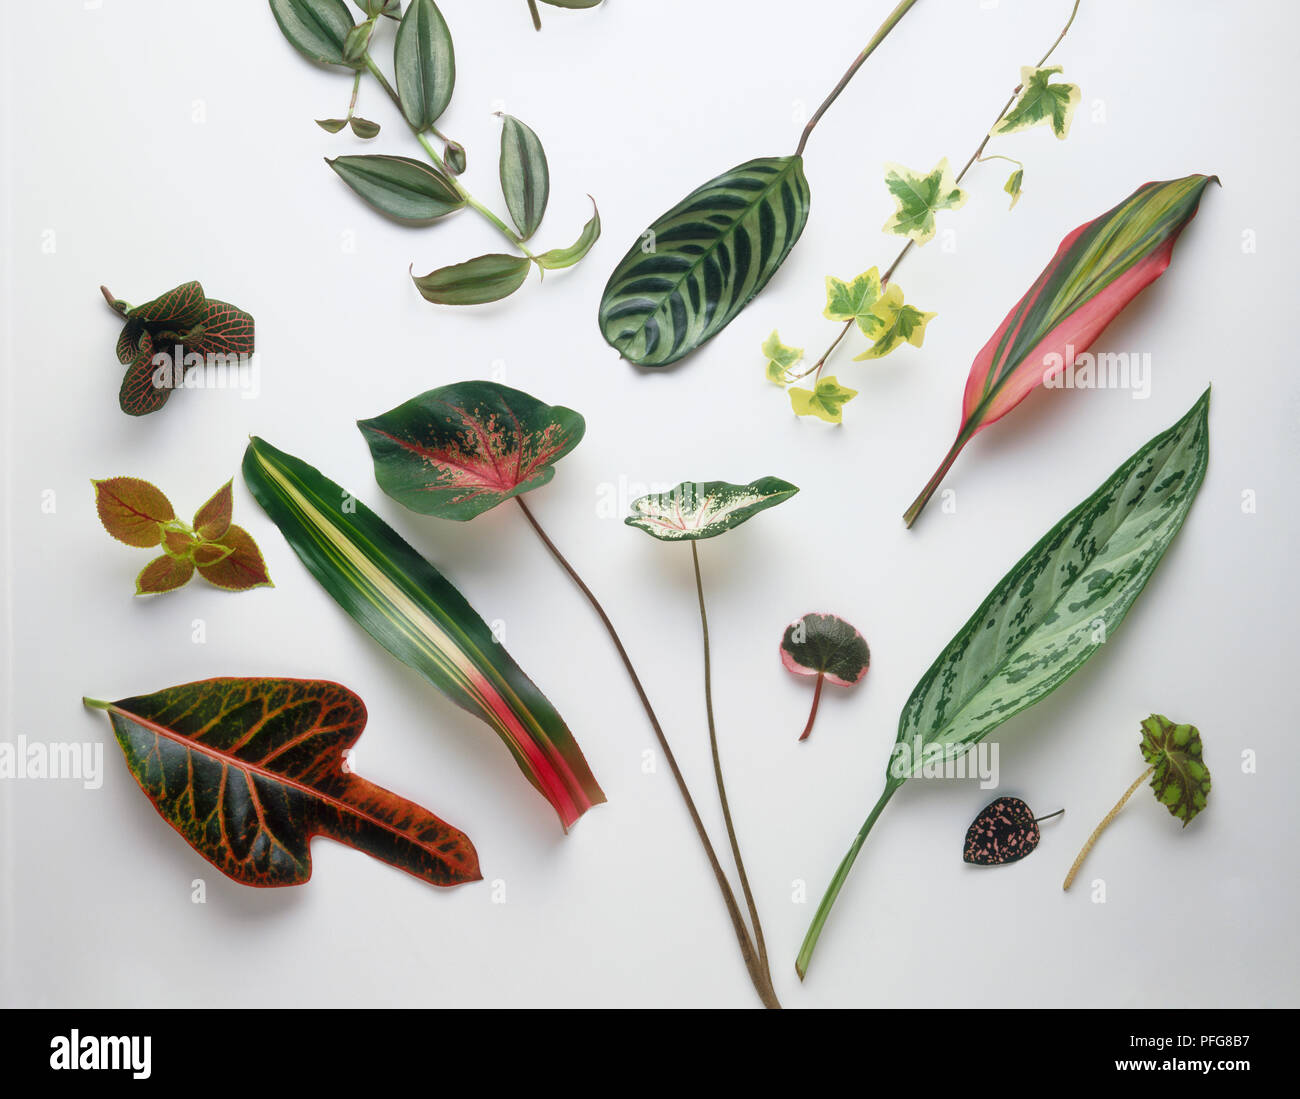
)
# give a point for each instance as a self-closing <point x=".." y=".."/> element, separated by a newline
<point x="1097" y="270"/>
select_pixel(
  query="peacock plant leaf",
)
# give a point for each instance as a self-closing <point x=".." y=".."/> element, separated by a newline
<point x="412" y="610"/>
<point x="459" y="450"/>
<point x="705" y="509"/>
<point x="1097" y="270"/>
<point x="1044" y="619"/>
<point x="248" y="771"/>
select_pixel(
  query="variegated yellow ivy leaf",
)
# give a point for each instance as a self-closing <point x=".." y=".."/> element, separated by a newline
<point x="897" y="324"/>
<point x="1041" y="102"/>
<point x="1012" y="186"/>
<point x="919" y="198"/>
<point x="852" y="301"/>
<point x="780" y="358"/>
<point x="825" y="400"/>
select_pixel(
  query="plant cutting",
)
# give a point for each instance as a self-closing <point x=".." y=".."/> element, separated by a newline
<point x="1097" y="270"/>
<point x="1179" y="778"/>
<point x="414" y="612"/>
<point x="249" y="770"/>
<point x="462" y="449"/>
<point x="413" y="192"/>
<point x="1006" y="830"/>
<point x="1044" y="619"/>
<point x="825" y="647"/>
<point x="537" y="15"/>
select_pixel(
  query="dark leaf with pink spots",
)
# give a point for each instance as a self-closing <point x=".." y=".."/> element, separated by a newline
<point x="1005" y="831"/>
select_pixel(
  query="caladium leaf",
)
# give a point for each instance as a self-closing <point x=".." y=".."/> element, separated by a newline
<point x="1097" y="270"/>
<point x="317" y="29"/>
<point x="1041" y="103"/>
<point x="779" y="359"/>
<point x="826" y="400"/>
<point x="1057" y="606"/>
<point x="895" y="324"/>
<point x="133" y="511"/>
<point x="705" y="509"/>
<point x="854" y="301"/>
<point x="919" y="197"/>
<point x="404" y="189"/>
<point x="248" y="771"/>
<point x="1180" y="779"/>
<point x="411" y="609"/>
<point x="425" y="64"/>
<point x="827" y="647"/>
<point x="689" y="275"/>
<point x="558" y="258"/>
<point x="1005" y="831"/>
<point x="525" y="178"/>
<point x="459" y="450"/>
<point x="474" y="282"/>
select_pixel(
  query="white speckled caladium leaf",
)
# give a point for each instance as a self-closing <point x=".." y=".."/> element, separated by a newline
<point x="705" y="509"/>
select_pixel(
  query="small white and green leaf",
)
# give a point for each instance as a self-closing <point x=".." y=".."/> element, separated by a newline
<point x="1041" y="102"/>
<point x="705" y="509"/>
<point x="853" y="301"/>
<point x="919" y="197"/>
<point x="1012" y="186"/>
<point x="898" y="324"/>
<point x="780" y="359"/>
<point x="826" y="400"/>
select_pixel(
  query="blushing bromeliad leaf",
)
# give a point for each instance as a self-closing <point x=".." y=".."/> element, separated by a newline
<point x="249" y="770"/>
<point x="895" y="324"/>
<point x="1180" y="779"/>
<point x="919" y="198"/>
<point x="1097" y="270"/>
<point x="459" y="450"/>
<point x="1041" y="102"/>
<point x="701" y="263"/>
<point x="854" y="301"/>
<point x="411" y="609"/>
<point x="1042" y="621"/>
<point x="705" y="509"/>
<point x="780" y="358"/>
<point x="826" y="400"/>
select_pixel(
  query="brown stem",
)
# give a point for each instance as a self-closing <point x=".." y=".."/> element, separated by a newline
<point x="812" y="714"/>
<point x="1105" y="821"/>
<point x="537" y="16"/>
<point x="119" y="307"/>
<point x="909" y="516"/>
<point x="762" y="983"/>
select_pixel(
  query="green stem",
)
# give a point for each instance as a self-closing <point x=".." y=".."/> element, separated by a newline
<point x="96" y="703"/>
<point x="837" y="882"/>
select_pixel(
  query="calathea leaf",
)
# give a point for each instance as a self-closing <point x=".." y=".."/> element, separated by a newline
<point x="919" y="197"/>
<point x="1042" y="621"/>
<point x="566" y="257"/>
<point x="474" y="282"/>
<point x="699" y="264"/>
<point x="405" y="189"/>
<point x="705" y="509"/>
<point x="459" y="450"/>
<point x="425" y="64"/>
<point x="1097" y="270"/>
<point x="826" y="400"/>
<point x="414" y="612"/>
<point x="248" y="771"/>
<point x="525" y="178"/>
<point x="1180" y="779"/>
<point x="317" y="29"/>
<point x="1041" y="102"/>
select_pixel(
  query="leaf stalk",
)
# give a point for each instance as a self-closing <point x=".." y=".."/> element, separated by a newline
<point x="1105" y="823"/>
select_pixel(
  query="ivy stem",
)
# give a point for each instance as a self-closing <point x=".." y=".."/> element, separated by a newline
<point x="812" y="714"/>
<point x="761" y="980"/>
<point x="717" y="770"/>
<point x="1105" y="822"/>
<point x="888" y="25"/>
<point x="537" y="16"/>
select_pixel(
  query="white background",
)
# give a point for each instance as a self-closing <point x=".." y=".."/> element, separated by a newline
<point x="149" y="142"/>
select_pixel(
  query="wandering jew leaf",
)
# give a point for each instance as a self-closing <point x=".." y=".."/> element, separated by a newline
<point x="1041" y="102"/>
<point x="919" y="197"/>
<point x="331" y="125"/>
<point x="557" y="258"/>
<point x="317" y="29"/>
<point x="525" y="179"/>
<point x="364" y="128"/>
<point x="459" y="450"/>
<point x="895" y="324"/>
<point x="1181" y="780"/>
<point x="700" y="264"/>
<point x="358" y="39"/>
<point x="474" y="282"/>
<point x="826" y="400"/>
<point x="248" y="771"/>
<point x="425" y="64"/>
<point x="705" y="509"/>
<point x="405" y="189"/>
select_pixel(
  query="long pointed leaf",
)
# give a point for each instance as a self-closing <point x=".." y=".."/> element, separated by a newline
<point x="425" y="64"/>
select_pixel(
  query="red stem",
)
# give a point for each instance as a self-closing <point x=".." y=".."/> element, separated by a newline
<point x="817" y="697"/>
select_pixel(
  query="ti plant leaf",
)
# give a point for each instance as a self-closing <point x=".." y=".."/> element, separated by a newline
<point x="1041" y="103"/>
<point x="425" y="63"/>
<point x="827" y="647"/>
<point x="701" y="263"/>
<point x="459" y="450"/>
<point x="317" y="29"/>
<point x="1097" y="270"/>
<point x="1042" y="621"/>
<point x="705" y="509"/>
<point x="525" y="178"/>
<point x="415" y="613"/>
<point x="826" y="400"/>
<point x="1006" y="830"/>
<point x="780" y="359"/>
<point x="854" y="301"/>
<point x="406" y="190"/>
<point x="919" y="197"/>
<point x="248" y="771"/>
<point x="475" y="282"/>
<point x="894" y="325"/>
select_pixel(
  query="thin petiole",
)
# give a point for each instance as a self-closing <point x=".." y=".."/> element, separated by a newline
<point x="1105" y="823"/>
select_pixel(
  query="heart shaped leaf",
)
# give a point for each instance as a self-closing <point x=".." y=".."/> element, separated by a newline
<point x="399" y="187"/>
<point x="249" y="770"/>
<point x="705" y="509"/>
<point x="1181" y="780"/>
<point x="825" y="646"/>
<point x="459" y="450"/>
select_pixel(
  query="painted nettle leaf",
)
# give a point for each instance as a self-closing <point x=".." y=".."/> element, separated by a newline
<point x="462" y="449"/>
<point x="414" y="612"/>
<point x="525" y="177"/>
<point x="1097" y="270"/>
<point x="1042" y="621"/>
<point x="406" y="190"/>
<point x="425" y="63"/>
<point x="705" y="509"/>
<point x="248" y="771"/>
<point x="317" y="29"/>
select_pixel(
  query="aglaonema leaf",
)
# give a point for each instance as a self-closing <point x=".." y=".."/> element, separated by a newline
<point x="248" y="771"/>
<point x="1042" y="621"/>
<point x="701" y="263"/>
<point x="317" y="29"/>
<point x="525" y="177"/>
<point x="459" y="450"/>
<point x="1097" y="270"/>
<point x="425" y="64"/>
<point x="705" y="509"/>
<point x="404" y="189"/>
<point x="414" y="612"/>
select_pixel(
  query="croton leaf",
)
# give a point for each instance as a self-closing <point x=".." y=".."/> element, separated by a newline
<point x="557" y="258"/>
<point x="827" y="647"/>
<point x="826" y="400"/>
<point x="133" y="511"/>
<point x="474" y="282"/>
<point x="525" y="178"/>
<point x="163" y="574"/>
<point x="705" y="509"/>
<point x="919" y="197"/>
<point x="248" y="771"/>
<point x="239" y="568"/>
<point x="779" y="358"/>
<point x="406" y="190"/>
<point x="854" y="301"/>
<point x="317" y="29"/>
<point x="1181" y="780"/>
<point x="412" y="610"/>
<point x="212" y="520"/>
<point x="1097" y="270"/>
<point x="425" y="64"/>
<point x="701" y="263"/>
<point x="1041" y="103"/>
<point x="459" y="450"/>
<point x="895" y="324"/>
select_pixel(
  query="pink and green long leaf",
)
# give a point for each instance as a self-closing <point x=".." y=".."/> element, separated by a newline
<point x="1097" y="270"/>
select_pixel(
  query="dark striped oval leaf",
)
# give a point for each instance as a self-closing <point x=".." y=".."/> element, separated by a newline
<point x="401" y="188"/>
<point x="702" y="262"/>
<point x="425" y="64"/>
<point x="482" y="279"/>
<point x="317" y="29"/>
<point x="525" y="179"/>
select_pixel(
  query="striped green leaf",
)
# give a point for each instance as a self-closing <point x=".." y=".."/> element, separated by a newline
<point x="411" y="609"/>
<point x="702" y="262"/>
<point x="1057" y="606"/>
<point x="525" y="178"/>
<point x="317" y="29"/>
<point x="425" y="64"/>
<point x="558" y="258"/>
<point x="474" y="282"/>
<point x="399" y="187"/>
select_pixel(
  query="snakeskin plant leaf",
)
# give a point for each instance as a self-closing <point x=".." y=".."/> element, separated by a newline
<point x="701" y="263"/>
<point x="249" y="770"/>
<point x="705" y="509"/>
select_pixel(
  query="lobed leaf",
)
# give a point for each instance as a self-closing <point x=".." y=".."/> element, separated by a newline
<point x="1041" y="103"/>
<point x="826" y="400"/>
<point x="918" y="198"/>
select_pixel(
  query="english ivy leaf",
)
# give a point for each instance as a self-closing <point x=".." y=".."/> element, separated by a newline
<point x="852" y="301"/>
<point x="1012" y="186"/>
<point x="919" y="198"/>
<point x="331" y="125"/>
<point x="162" y="574"/>
<point x="1181" y="780"/>
<point x="897" y="324"/>
<point x="133" y="510"/>
<point x="1041" y="102"/>
<point x="780" y="358"/>
<point x="825" y="400"/>
<point x="364" y="128"/>
<point x="705" y="509"/>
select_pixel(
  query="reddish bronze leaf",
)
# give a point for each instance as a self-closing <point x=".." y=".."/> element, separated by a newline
<point x="249" y="770"/>
<point x="165" y="573"/>
<point x="212" y="520"/>
<point x="242" y="568"/>
<point x="131" y="510"/>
